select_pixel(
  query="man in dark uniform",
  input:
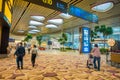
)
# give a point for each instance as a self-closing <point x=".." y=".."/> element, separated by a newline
<point x="20" y="53"/>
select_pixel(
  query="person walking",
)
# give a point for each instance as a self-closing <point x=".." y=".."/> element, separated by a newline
<point x="96" y="54"/>
<point x="19" y="53"/>
<point x="34" y="52"/>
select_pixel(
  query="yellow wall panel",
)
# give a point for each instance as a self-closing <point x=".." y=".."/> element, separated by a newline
<point x="7" y="11"/>
<point x="0" y="5"/>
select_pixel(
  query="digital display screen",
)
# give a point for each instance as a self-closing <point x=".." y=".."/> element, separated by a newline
<point x="78" y="12"/>
<point x="85" y="40"/>
<point x="52" y="4"/>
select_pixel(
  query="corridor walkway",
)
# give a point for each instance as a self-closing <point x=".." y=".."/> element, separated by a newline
<point x="56" y="65"/>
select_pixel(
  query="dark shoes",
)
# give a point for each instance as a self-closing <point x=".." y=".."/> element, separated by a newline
<point x="19" y="68"/>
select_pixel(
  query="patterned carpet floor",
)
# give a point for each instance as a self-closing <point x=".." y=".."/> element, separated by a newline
<point x="56" y="65"/>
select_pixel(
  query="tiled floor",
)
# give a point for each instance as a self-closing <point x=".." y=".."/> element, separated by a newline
<point x="56" y="65"/>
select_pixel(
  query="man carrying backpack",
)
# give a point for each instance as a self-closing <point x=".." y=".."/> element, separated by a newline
<point x="19" y="53"/>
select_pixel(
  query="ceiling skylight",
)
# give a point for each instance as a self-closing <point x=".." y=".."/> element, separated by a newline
<point x="103" y="7"/>
<point x="56" y="21"/>
<point x="66" y="16"/>
<point x="20" y="31"/>
<point x="34" y="27"/>
<point x="38" y="18"/>
<point x="35" y="23"/>
<point x="51" y="26"/>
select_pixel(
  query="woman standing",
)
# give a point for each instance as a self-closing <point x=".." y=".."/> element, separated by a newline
<point x="34" y="52"/>
<point x="96" y="54"/>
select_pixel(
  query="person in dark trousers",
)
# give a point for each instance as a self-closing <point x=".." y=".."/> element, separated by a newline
<point x="96" y="54"/>
<point x="34" y="52"/>
<point x="19" y="53"/>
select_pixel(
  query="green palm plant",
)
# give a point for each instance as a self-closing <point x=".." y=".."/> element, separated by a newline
<point x="28" y="37"/>
<point x="63" y="39"/>
<point x="39" y="39"/>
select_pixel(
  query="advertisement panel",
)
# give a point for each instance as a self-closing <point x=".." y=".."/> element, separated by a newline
<point x="78" y="12"/>
<point x="85" y="40"/>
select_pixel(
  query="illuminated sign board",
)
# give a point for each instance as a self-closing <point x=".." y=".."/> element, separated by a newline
<point x="0" y="5"/>
<point x="78" y="12"/>
<point x="53" y="4"/>
<point x="8" y="10"/>
<point x="85" y="40"/>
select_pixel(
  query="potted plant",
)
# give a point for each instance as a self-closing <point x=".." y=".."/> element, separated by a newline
<point x="39" y="40"/>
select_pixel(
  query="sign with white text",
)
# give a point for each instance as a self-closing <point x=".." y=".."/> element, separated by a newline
<point x="85" y="40"/>
<point x="53" y="4"/>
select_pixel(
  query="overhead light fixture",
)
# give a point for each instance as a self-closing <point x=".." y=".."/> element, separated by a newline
<point x="33" y="27"/>
<point x="56" y="21"/>
<point x="65" y="15"/>
<point x="102" y="7"/>
<point x="31" y="32"/>
<point x="51" y="26"/>
<point x="35" y="30"/>
<point x="21" y="31"/>
<point x="35" y="23"/>
<point x="38" y="18"/>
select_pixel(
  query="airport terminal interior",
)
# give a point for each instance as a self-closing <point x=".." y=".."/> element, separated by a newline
<point x="59" y="40"/>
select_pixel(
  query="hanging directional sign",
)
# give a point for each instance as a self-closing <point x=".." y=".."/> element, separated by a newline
<point x="53" y="4"/>
<point x="78" y="12"/>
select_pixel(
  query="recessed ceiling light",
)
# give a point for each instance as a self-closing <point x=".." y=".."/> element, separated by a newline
<point x="56" y="21"/>
<point x="102" y="7"/>
<point x="33" y="27"/>
<point x="35" y="23"/>
<point x="38" y="18"/>
<point x="31" y="32"/>
<point x="35" y="30"/>
<point x="51" y="26"/>
<point x="65" y="15"/>
<point x="20" y="31"/>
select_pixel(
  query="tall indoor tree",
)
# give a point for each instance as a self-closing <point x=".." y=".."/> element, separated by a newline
<point x="104" y="30"/>
<point x="28" y="37"/>
<point x="63" y="39"/>
<point x="39" y="39"/>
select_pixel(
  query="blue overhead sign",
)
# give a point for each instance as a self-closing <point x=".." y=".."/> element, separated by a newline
<point x="52" y="4"/>
<point x="85" y="40"/>
<point x="78" y="12"/>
